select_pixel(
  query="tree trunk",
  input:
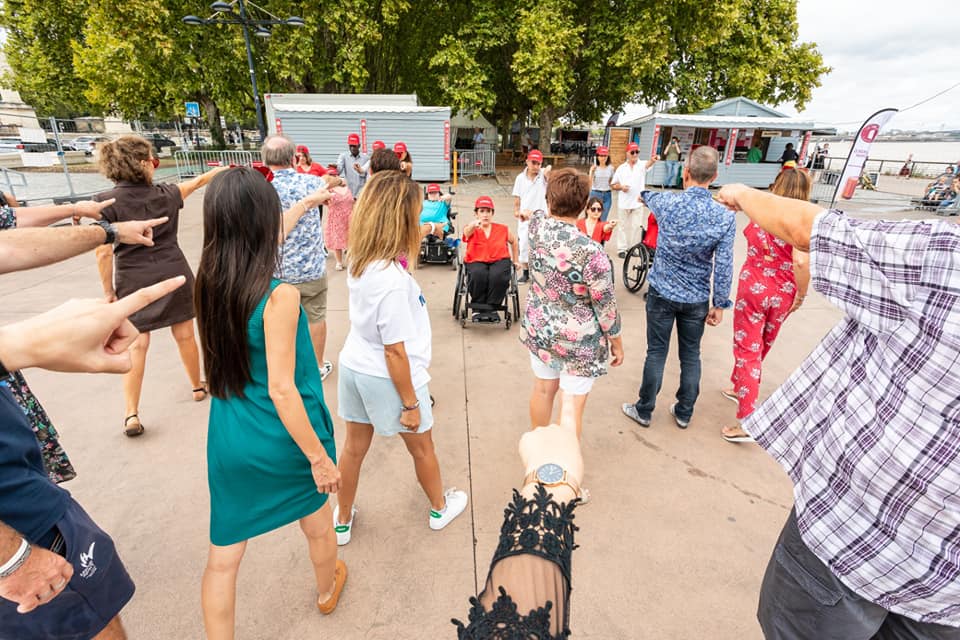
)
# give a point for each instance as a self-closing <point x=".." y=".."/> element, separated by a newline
<point x="213" y="119"/>
<point x="546" y="128"/>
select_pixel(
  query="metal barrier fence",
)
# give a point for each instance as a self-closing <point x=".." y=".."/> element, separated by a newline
<point x="13" y="179"/>
<point x="477" y="163"/>
<point x="195" y="163"/>
<point x="889" y="167"/>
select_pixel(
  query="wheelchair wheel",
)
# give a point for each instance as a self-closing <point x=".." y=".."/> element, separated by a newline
<point x="636" y="265"/>
<point x="458" y="291"/>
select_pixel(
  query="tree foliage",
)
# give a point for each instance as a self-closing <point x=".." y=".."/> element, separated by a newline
<point x="507" y="59"/>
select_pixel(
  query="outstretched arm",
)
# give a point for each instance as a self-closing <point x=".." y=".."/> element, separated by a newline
<point x="788" y="219"/>
<point x="189" y="186"/>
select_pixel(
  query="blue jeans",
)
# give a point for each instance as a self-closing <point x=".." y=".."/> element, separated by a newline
<point x="673" y="169"/>
<point x="690" y="318"/>
<point x="606" y="199"/>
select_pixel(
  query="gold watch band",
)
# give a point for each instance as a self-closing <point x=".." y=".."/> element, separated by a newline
<point x="567" y="480"/>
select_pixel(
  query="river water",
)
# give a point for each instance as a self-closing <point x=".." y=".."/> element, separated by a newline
<point x="898" y="151"/>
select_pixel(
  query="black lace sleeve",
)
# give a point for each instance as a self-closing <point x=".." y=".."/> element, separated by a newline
<point x="534" y="527"/>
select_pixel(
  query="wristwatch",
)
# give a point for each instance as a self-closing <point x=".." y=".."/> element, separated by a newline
<point x="552" y="475"/>
<point x="109" y="229"/>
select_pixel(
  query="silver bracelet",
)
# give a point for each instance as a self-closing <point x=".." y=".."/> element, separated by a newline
<point x="18" y="559"/>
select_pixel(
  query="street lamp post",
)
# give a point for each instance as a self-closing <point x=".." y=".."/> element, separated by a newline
<point x="223" y="13"/>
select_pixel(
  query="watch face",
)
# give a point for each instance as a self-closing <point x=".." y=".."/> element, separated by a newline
<point x="550" y="473"/>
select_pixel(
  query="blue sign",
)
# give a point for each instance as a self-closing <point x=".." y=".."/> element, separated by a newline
<point x="193" y="109"/>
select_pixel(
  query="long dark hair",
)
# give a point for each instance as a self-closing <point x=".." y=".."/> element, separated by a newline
<point x="241" y="227"/>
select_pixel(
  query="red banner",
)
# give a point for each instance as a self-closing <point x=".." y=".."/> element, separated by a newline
<point x="279" y="127"/>
<point x="446" y="141"/>
<point x="656" y="139"/>
<point x="731" y="147"/>
<point x="363" y="136"/>
<point x="803" y="149"/>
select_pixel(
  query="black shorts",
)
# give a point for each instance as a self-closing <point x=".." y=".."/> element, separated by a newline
<point x="99" y="589"/>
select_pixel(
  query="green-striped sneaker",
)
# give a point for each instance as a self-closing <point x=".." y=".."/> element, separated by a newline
<point x="456" y="502"/>
<point x="343" y="530"/>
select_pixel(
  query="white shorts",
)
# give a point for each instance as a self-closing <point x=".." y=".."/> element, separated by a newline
<point x="577" y="385"/>
<point x="523" y="239"/>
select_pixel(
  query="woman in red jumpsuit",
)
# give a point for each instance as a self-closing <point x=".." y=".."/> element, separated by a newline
<point x="773" y="284"/>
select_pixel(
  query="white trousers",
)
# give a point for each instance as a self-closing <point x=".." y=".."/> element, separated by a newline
<point x="523" y="239"/>
<point x="629" y="228"/>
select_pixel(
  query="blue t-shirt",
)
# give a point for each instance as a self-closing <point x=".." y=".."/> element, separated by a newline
<point x="435" y="211"/>
<point x="695" y="241"/>
<point x="29" y="501"/>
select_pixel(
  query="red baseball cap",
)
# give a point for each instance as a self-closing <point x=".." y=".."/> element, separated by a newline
<point x="483" y="202"/>
<point x="332" y="171"/>
<point x="302" y="148"/>
<point x="353" y="139"/>
<point x="399" y="148"/>
<point x="633" y="146"/>
<point x="603" y="151"/>
<point x="535" y="155"/>
<point x="433" y="187"/>
<point x="378" y="144"/>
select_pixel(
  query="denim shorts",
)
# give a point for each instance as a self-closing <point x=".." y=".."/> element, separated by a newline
<point x="99" y="589"/>
<point x="373" y="400"/>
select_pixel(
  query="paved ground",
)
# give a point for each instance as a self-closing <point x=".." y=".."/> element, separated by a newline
<point x="673" y="545"/>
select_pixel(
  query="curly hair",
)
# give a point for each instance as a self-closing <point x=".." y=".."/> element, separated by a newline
<point x="119" y="160"/>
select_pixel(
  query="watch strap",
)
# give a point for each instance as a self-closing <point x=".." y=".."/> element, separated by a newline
<point x="109" y="229"/>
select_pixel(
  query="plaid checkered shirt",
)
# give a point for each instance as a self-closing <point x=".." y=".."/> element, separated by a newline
<point x="868" y="427"/>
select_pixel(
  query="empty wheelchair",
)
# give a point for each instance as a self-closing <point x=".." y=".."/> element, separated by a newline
<point x="639" y="258"/>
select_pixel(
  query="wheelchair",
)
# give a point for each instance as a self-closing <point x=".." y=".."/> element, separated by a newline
<point x="463" y="307"/>
<point x="639" y="258"/>
<point x="443" y="248"/>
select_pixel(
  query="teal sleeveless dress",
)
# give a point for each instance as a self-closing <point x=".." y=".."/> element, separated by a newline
<point x="259" y="478"/>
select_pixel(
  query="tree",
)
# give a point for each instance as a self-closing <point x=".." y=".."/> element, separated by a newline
<point x="39" y="48"/>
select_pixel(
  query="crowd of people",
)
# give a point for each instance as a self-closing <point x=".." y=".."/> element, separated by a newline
<point x="866" y="427"/>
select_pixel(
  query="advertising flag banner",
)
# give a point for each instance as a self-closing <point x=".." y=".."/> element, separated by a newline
<point x="803" y="150"/>
<point x="446" y="141"/>
<point x="858" y="153"/>
<point x="731" y="147"/>
<point x="363" y="136"/>
<point x="656" y="139"/>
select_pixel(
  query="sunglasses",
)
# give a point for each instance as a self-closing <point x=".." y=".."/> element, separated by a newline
<point x="155" y="162"/>
<point x="596" y="208"/>
<point x="633" y="153"/>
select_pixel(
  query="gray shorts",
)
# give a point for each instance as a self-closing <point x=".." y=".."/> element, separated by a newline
<point x="801" y="599"/>
<point x="372" y="400"/>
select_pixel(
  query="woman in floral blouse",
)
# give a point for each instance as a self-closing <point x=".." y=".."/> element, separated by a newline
<point x="571" y="325"/>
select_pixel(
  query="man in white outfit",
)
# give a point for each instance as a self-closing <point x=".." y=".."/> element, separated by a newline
<point x="529" y="194"/>
<point x="630" y="179"/>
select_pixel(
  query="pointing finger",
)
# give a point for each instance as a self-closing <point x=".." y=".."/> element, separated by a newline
<point x="137" y="300"/>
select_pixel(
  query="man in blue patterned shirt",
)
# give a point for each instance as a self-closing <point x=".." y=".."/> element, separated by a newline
<point x="303" y="256"/>
<point x="694" y="246"/>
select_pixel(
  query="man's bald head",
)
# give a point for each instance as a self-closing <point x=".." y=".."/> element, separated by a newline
<point x="278" y="151"/>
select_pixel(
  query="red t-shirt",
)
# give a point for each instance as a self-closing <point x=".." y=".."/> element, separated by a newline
<point x="598" y="233"/>
<point x="480" y="248"/>
<point x="314" y="170"/>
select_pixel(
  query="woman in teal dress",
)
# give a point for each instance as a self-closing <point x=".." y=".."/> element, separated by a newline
<point x="271" y="457"/>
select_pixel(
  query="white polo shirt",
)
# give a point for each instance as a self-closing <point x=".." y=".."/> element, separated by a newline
<point x="532" y="193"/>
<point x="633" y="177"/>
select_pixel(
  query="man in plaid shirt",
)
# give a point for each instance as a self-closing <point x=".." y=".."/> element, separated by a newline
<point x="868" y="428"/>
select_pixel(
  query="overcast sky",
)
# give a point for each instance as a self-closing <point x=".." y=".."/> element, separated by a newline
<point x="884" y="54"/>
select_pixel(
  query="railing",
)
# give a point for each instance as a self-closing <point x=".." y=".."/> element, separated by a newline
<point x="195" y="163"/>
<point x="889" y="167"/>
<point x="13" y="178"/>
<point x="477" y="163"/>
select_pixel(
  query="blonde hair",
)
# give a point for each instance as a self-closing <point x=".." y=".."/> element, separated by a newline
<point x="119" y="160"/>
<point x="792" y="183"/>
<point x="385" y="221"/>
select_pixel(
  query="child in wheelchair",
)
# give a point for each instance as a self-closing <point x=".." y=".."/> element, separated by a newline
<point x="436" y="226"/>
<point x="492" y="254"/>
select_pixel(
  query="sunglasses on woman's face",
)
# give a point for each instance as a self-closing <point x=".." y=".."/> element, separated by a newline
<point x="155" y="162"/>
<point x="596" y="208"/>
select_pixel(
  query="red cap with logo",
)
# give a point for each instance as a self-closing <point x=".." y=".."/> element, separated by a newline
<point x="483" y="202"/>
<point x="302" y="148"/>
<point x="353" y="140"/>
<point x="378" y="144"/>
<point x="535" y="155"/>
<point x="633" y="146"/>
<point x="433" y="187"/>
<point x="603" y="151"/>
<point x="399" y="148"/>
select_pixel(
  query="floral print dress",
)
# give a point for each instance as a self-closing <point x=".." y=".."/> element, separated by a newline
<point x="55" y="459"/>
<point x="571" y="307"/>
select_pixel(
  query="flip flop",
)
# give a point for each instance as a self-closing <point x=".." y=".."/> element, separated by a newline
<point x="735" y="434"/>
<point x="132" y="432"/>
<point x="201" y="389"/>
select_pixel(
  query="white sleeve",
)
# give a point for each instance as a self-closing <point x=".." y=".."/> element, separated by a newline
<point x="617" y="176"/>
<point x="394" y="319"/>
<point x="516" y="187"/>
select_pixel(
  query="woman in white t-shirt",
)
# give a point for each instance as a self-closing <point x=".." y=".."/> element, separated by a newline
<point x="601" y="171"/>
<point x="383" y="365"/>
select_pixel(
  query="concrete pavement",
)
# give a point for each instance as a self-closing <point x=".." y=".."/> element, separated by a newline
<point x="673" y="544"/>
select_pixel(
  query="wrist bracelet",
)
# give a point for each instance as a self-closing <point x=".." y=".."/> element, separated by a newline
<point x="14" y="563"/>
<point x="415" y="405"/>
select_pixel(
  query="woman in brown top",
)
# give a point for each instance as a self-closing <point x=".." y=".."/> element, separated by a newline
<point x="129" y="162"/>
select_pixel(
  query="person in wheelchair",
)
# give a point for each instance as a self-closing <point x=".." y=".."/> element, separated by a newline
<point x="492" y="251"/>
<point x="435" y="214"/>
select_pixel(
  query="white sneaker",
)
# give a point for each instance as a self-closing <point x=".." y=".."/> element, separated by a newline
<point x="343" y="531"/>
<point x="456" y="502"/>
<point x="325" y="370"/>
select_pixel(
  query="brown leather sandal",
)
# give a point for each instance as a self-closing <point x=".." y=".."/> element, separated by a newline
<point x="134" y="431"/>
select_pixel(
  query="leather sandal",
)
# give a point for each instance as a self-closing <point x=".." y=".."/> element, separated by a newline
<point x="339" y="579"/>
<point x="132" y="431"/>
